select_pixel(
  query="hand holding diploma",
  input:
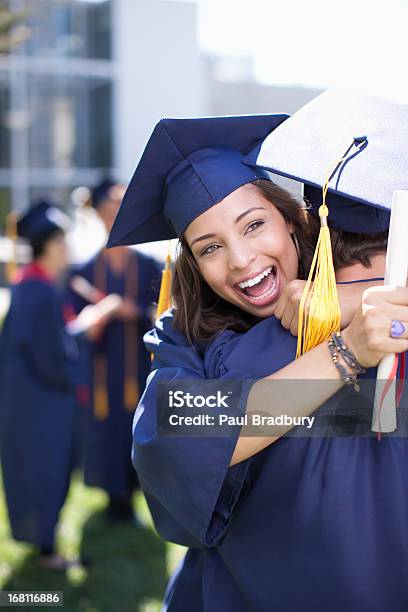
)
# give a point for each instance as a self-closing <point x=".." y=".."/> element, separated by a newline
<point x="94" y="315"/>
<point x="101" y="308"/>
<point x="127" y="310"/>
<point x="86" y="290"/>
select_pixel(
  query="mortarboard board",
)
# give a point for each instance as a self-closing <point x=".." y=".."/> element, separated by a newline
<point x="309" y="142"/>
<point x="42" y="218"/>
<point x="188" y="166"/>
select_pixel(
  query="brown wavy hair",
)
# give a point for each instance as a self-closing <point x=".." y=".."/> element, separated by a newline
<point x="199" y="312"/>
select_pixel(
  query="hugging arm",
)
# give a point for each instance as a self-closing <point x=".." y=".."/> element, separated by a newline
<point x="368" y="337"/>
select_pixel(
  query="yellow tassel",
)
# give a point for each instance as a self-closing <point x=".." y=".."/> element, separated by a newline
<point x="131" y="394"/>
<point x="101" y="402"/>
<point x="165" y="288"/>
<point x="319" y="310"/>
<point x="164" y="302"/>
<point x="11" y="233"/>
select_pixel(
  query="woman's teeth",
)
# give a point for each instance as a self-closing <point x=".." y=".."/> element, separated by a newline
<point x="257" y="279"/>
<point x="261" y="289"/>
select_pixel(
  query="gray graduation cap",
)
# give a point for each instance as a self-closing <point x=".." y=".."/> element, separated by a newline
<point x="373" y="132"/>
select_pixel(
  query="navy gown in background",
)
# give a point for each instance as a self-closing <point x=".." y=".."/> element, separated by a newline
<point x="309" y="524"/>
<point x="37" y="408"/>
<point x="108" y="434"/>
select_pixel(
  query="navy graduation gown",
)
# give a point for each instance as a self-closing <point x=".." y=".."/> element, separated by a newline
<point x="37" y="406"/>
<point x="108" y="441"/>
<point x="308" y="524"/>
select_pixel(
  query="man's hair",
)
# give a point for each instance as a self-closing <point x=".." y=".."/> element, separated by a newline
<point x="349" y="248"/>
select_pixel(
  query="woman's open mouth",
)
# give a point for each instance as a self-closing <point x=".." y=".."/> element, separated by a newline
<point x="261" y="289"/>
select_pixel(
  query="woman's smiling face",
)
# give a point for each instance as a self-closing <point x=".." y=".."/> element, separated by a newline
<point x="244" y="250"/>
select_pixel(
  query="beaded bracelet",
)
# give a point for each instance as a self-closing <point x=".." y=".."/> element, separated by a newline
<point x="347" y="377"/>
<point x="347" y="355"/>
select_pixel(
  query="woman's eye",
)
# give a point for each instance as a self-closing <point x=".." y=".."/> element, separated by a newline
<point x="209" y="249"/>
<point x="253" y="226"/>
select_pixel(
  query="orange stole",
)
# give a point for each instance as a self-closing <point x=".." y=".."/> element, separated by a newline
<point x="131" y="384"/>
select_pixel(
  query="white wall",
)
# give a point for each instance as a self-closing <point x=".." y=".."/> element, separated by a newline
<point x="159" y="72"/>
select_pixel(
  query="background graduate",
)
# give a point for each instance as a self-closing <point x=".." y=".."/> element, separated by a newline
<point x="119" y="360"/>
<point x="37" y="387"/>
<point x="238" y="501"/>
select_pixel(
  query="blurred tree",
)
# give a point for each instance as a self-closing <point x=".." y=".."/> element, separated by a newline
<point x="13" y="30"/>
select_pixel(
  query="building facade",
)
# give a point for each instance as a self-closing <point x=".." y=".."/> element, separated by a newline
<point x="56" y="91"/>
<point x="80" y="96"/>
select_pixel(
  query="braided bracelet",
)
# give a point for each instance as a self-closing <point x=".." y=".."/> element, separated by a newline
<point x="348" y="356"/>
<point x="347" y="377"/>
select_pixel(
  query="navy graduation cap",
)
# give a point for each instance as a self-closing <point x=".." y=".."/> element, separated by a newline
<point x="348" y="214"/>
<point x="42" y="218"/>
<point x="375" y="133"/>
<point x="188" y="166"/>
<point x="101" y="192"/>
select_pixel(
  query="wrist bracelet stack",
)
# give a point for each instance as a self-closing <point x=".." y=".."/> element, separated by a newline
<point x="354" y="369"/>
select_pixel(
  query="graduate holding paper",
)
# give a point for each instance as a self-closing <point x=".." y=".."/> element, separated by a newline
<point x="292" y="523"/>
<point x="119" y="361"/>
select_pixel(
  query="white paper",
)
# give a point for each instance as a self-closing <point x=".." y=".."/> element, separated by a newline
<point x="396" y="275"/>
<point x="92" y="314"/>
<point x="85" y="290"/>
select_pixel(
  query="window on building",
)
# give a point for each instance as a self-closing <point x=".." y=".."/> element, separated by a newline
<point x="70" y="122"/>
<point x="4" y="121"/>
<point x="69" y="28"/>
<point x="5" y="206"/>
<point x="61" y="196"/>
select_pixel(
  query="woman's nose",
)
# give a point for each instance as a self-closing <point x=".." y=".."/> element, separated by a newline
<point x="240" y="256"/>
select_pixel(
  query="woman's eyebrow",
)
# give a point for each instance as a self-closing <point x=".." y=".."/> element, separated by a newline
<point x="200" y="238"/>
<point x="242" y="215"/>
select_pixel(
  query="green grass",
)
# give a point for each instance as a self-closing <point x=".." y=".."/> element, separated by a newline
<point x="129" y="566"/>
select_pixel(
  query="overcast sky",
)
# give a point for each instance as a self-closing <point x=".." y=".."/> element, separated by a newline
<point x="315" y="43"/>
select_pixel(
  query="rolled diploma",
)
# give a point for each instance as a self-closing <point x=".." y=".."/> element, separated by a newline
<point x="85" y="290"/>
<point x="396" y="268"/>
<point x="91" y="314"/>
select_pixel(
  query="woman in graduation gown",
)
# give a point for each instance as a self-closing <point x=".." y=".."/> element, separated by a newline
<point x="119" y="360"/>
<point x="279" y="523"/>
<point x="37" y="375"/>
